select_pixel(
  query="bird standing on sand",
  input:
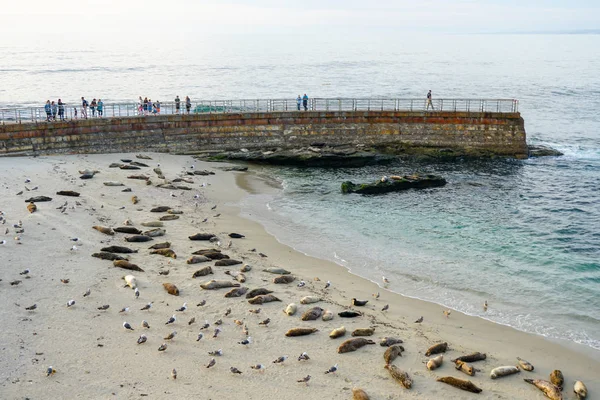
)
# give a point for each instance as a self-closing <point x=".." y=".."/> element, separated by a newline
<point x="258" y="367"/>
<point x="124" y="310"/>
<point x="162" y="347"/>
<point x="171" y="320"/>
<point x="485" y="305"/>
<point x="419" y="320"/>
<point x="265" y="322"/>
<point x="234" y="370"/>
<point x="205" y="326"/>
<point x="174" y="373"/>
<point x="246" y="341"/>
<point x="182" y="308"/>
<point x="104" y="307"/>
<point x="328" y="285"/>
<point x="192" y="320"/>
<point x="70" y="303"/>
<point x="386" y="307"/>
<point x="301" y="284"/>
<point x="385" y="280"/>
<point x="332" y="369"/>
<point x="304" y="380"/>
<point x="127" y="326"/>
<point x="137" y="293"/>
<point x="87" y="293"/>
<point x="211" y="363"/>
<point x="50" y="371"/>
<point x="25" y="272"/>
<point x="31" y="308"/>
<point x="303" y="357"/>
<point x="147" y="306"/>
<point x="217" y="331"/>
<point x="200" y="336"/>
<point x="216" y="353"/>
<point x="203" y="302"/>
<point x="280" y="360"/>
<point x="145" y="324"/>
<point x="171" y="335"/>
<point x="447" y="313"/>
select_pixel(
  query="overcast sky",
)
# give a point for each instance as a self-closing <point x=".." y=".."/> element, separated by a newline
<point x="34" y="19"/>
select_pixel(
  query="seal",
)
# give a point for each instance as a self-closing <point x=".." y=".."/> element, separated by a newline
<point x="236" y="292"/>
<point x="153" y="224"/>
<point x="163" y="245"/>
<point x="359" y="394"/>
<point x="525" y="365"/>
<point x="267" y="298"/>
<point x="170" y="217"/>
<point x="245" y="268"/>
<point x="140" y="177"/>
<point x="349" y="314"/>
<point x="300" y="332"/>
<point x="118" y="249"/>
<point x="257" y="292"/>
<point x="69" y="193"/>
<point x="435" y="362"/>
<point x="155" y="232"/>
<point x="165" y="252"/>
<point x="203" y="272"/>
<point x="127" y="229"/>
<point x="399" y="375"/>
<point x="312" y="314"/>
<point x="197" y="259"/>
<point x="464" y="367"/>
<point x="278" y="271"/>
<point x="389" y="341"/>
<point x="281" y="279"/>
<point x="327" y="316"/>
<point x="104" y="229"/>
<point x="113" y="183"/>
<point x="392" y="353"/>
<point x="126" y="265"/>
<point x="557" y="378"/>
<point x="549" y="389"/>
<point x="580" y="390"/>
<point x="359" y="303"/>
<point x="309" y="299"/>
<point x="353" y="345"/>
<point x="339" y="332"/>
<point x="226" y="262"/>
<point x="201" y="236"/>
<point x="436" y="349"/>
<point x="138" y="238"/>
<point x="363" y="332"/>
<point x="130" y="281"/>
<point x="460" y="383"/>
<point x="291" y="309"/>
<point x="108" y="256"/>
<point x="171" y="289"/>
<point x="504" y="371"/>
<point x="160" y="209"/>
<point x="214" y="284"/>
<point x="471" y="357"/>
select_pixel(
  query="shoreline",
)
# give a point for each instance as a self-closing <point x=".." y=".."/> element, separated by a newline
<point x="69" y="338"/>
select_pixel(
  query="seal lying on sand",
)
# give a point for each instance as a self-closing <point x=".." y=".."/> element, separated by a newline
<point x="127" y="229"/>
<point x="400" y="376"/>
<point x="203" y="272"/>
<point x="300" y="332"/>
<point x="108" y="256"/>
<point x="392" y="353"/>
<point x="165" y="252"/>
<point x="201" y="236"/>
<point x="257" y="292"/>
<point x="126" y="265"/>
<point x="525" y="365"/>
<point x="138" y="238"/>
<point x="261" y="299"/>
<point x="464" y="367"/>
<point x="214" y="284"/>
<point x="312" y="314"/>
<point x="437" y="348"/>
<point x="363" y="332"/>
<point x="460" y="383"/>
<point x="163" y="245"/>
<point x="339" y="332"/>
<point x="389" y="341"/>
<point x="359" y="394"/>
<point x="504" y="371"/>
<point x="549" y="389"/>
<point x="118" y="249"/>
<point x="580" y="390"/>
<point x="556" y="377"/>
<point x="282" y="278"/>
<point x="353" y="345"/>
<point x="236" y="292"/>
<point x="104" y="229"/>
<point x="471" y="357"/>
<point x="171" y="289"/>
<point x="435" y="362"/>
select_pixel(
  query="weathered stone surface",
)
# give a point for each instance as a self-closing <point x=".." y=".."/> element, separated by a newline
<point x="398" y="183"/>
<point x="543" y="151"/>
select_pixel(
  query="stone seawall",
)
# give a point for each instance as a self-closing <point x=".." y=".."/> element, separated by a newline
<point x="500" y="134"/>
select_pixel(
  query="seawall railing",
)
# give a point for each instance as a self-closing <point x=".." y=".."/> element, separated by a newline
<point x="73" y="111"/>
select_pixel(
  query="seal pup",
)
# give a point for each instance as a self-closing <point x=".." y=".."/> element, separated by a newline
<point x="353" y="345"/>
<point x="549" y="389"/>
<point x="291" y="309"/>
<point x="215" y="284"/>
<point x="460" y="383"/>
<point x="339" y="332"/>
<point x="436" y="349"/>
<point x="435" y="362"/>
<point x="580" y="390"/>
<point x="392" y="353"/>
<point x="304" y="380"/>
<point x="327" y="315"/>
<point x="130" y="281"/>
<point x="363" y="332"/>
<point x="300" y="332"/>
<point x="312" y="314"/>
<point x="359" y="303"/>
<point x="464" y="367"/>
<point x="399" y="375"/>
<point x="127" y="229"/>
<point x="32" y="207"/>
<point x="504" y="371"/>
<point x="557" y="378"/>
<point x="527" y="366"/>
<point x="332" y="370"/>
<point x="359" y="394"/>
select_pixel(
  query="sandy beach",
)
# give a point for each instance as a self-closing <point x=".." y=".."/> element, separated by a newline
<point x="96" y="358"/>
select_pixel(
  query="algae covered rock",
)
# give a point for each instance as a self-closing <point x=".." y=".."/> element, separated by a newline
<point x="394" y="184"/>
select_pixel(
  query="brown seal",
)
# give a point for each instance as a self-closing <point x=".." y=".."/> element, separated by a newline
<point x="201" y="236"/>
<point x="108" y="256"/>
<point x="118" y="249"/>
<point x="359" y="394"/>
<point x="226" y="262"/>
<point x="104" y="229"/>
<point x="165" y="252"/>
<point x="399" y="375"/>
<point x="197" y="259"/>
<point x="392" y="353"/>
<point x="284" y="279"/>
<point x="363" y="332"/>
<point x="138" y="238"/>
<point x="460" y="383"/>
<point x="435" y="362"/>
<point x="171" y="289"/>
<point x="214" y="284"/>
<point x="163" y="245"/>
<point x="236" y="292"/>
<point x="437" y="348"/>
<point x="257" y="292"/>
<point x="160" y="209"/>
<point x="548" y="388"/>
<point x="471" y="357"/>
<point x="170" y="217"/>
<point x="312" y="314"/>
<point x="266" y="298"/>
<point x="353" y="344"/>
<point x="464" y="367"/>
<point x="127" y="229"/>
<point x="557" y="378"/>
<point x="389" y="341"/>
<point x="300" y="331"/>
<point x="212" y="254"/>
<point x="203" y="272"/>
<point x="127" y="265"/>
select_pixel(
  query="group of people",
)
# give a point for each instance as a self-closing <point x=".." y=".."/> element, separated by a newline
<point x="54" y="109"/>
<point x="302" y="101"/>
<point x="147" y="106"/>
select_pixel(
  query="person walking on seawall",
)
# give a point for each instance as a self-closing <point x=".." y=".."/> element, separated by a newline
<point x="145" y="106"/>
<point x="74" y="112"/>
<point x="84" y="106"/>
<point x="54" y="110"/>
<point x="429" y="103"/>
<point x="100" y="108"/>
<point x="157" y="107"/>
<point x="93" y="105"/>
<point x="48" y="109"/>
<point x="305" y="102"/>
<point x="61" y="110"/>
<point x="188" y="104"/>
<point x="299" y="102"/>
<point x="177" y="104"/>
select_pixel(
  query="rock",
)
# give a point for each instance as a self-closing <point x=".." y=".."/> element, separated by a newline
<point x="543" y="151"/>
<point x="204" y="172"/>
<point x="38" y="199"/>
<point x="236" y="168"/>
<point x="394" y="185"/>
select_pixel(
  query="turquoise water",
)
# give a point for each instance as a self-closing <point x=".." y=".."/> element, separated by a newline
<point x="523" y="235"/>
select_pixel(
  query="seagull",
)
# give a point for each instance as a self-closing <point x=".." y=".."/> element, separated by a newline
<point x="146" y="307"/>
<point x="265" y="322"/>
<point x="213" y="207"/>
<point x="27" y="271"/>
<point x="200" y="336"/>
<point x="419" y="320"/>
<point x="171" y="335"/>
<point x="205" y="326"/>
<point x="191" y="321"/>
<point x="142" y="339"/>
<point x="203" y="302"/>
<point x="182" y="308"/>
<point x="87" y="293"/>
<point x="327" y="285"/>
<point x="124" y="310"/>
<point x="104" y="307"/>
<point x="385" y="280"/>
<point x="196" y="196"/>
<point x="216" y="352"/>
<point x="235" y="370"/>
<point x="145" y="324"/>
<point x="137" y="293"/>
<point x="447" y="313"/>
<point x="386" y="307"/>
<point x="258" y="367"/>
<point x="162" y="347"/>
<point x="31" y="308"/>
<point x="50" y="371"/>
<point x="238" y="322"/>
<point x="172" y="194"/>
<point x="70" y="303"/>
<point x="219" y="322"/>
<point x="280" y="360"/>
<point x="246" y="341"/>
<point x="301" y="284"/>
<point x="171" y="320"/>
<point x="174" y="374"/>
<point x="217" y="331"/>
<point x="126" y="325"/>
<point x="332" y="369"/>
<point x="304" y="356"/>
<point x="27" y="180"/>
<point x="245" y="330"/>
<point x="227" y="312"/>
<point x="3" y="242"/>
<point x="74" y="248"/>
<point x="65" y="281"/>
<point x="211" y="363"/>
<point x="74" y="239"/>
<point x="254" y="311"/>
<point x="304" y="380"/>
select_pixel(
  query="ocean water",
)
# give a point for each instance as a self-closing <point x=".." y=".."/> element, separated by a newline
<point x="522" y="234"/>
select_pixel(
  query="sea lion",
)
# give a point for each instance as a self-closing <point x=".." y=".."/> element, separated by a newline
<point x="203" y="272"/>
<point x="549" y="389"/>
<point x="291" y="309"/>
<point x="138" y="238"/>
<point x="389" y="341"/>
<point x="460" y="383"/>
<point x="226" y="262"/>
<point x="353" y="344"/>
<point x="160" y="209"/>
<point x="118" y="249"/>
<point x="214" y="284"/>
<point x="309" y="299"/>
<point x="127" y="229"/>
<point x="312" y="314"/>
<point x="278" y="271"/>
<point x="237" y="292"/>
<point x="437" y="348"/>
<point x="257" y="292"/>
<point x="359" y="394"/>
<point x="171" y="289"/>
<point x="282" y="278"/>
<point x="557" y="378"/>
<point x="165" y="252"/>
<point x="525" y="364"/>
<point x="31" y="207"/>
<point x="363" y="332"/>
<point x="245" y="268"/>
<point x="126" y="265"/>
<point x="327" y="316"/>
<point x="113" y="183"/>
<point x="169" y="217"/>
<point x="464" y="367"/>
<point x="108" y="256"/>
<point x="153" y="224"/>
<point x="504" y="371"/>
<point x="201" y="236"/>
<point x="580" y="390"/>
<point x="197" y="259"/>
<point x="67" y="193"/>
<point x="104" y="229"/>
<point x="435" y="362"/>
<point x="155" y="232"/>
<point x="349" y="314"/>
<point x="400" y="376"/>
<point x="392" y="353"/>
<point x="471" y="357"/>
<point x="163" y="245"/>
<point x="140" y="177"/>
<point x="260" y="299"/>
<point x="38" y="199"/>
<point x="339" y="332"/>
<point x="300" y="332"/>
<point x="130" y="281"/>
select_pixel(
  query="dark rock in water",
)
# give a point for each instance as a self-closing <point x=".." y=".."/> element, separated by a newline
<point x="226" y="262"/>
<point x="238" y="169"/>
<point x="68" y="193"/>
<point x="38" y="199"/>
<point x="204" y="172"/>
<point x="543" y="151"/>
<point x="86" y="176"/>
<point x="202" y="236"/>
<point x="129" y="167"/>
<point x="394" y="184"/>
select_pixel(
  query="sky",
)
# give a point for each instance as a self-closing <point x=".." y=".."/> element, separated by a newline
<point x="63" y="20"/>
